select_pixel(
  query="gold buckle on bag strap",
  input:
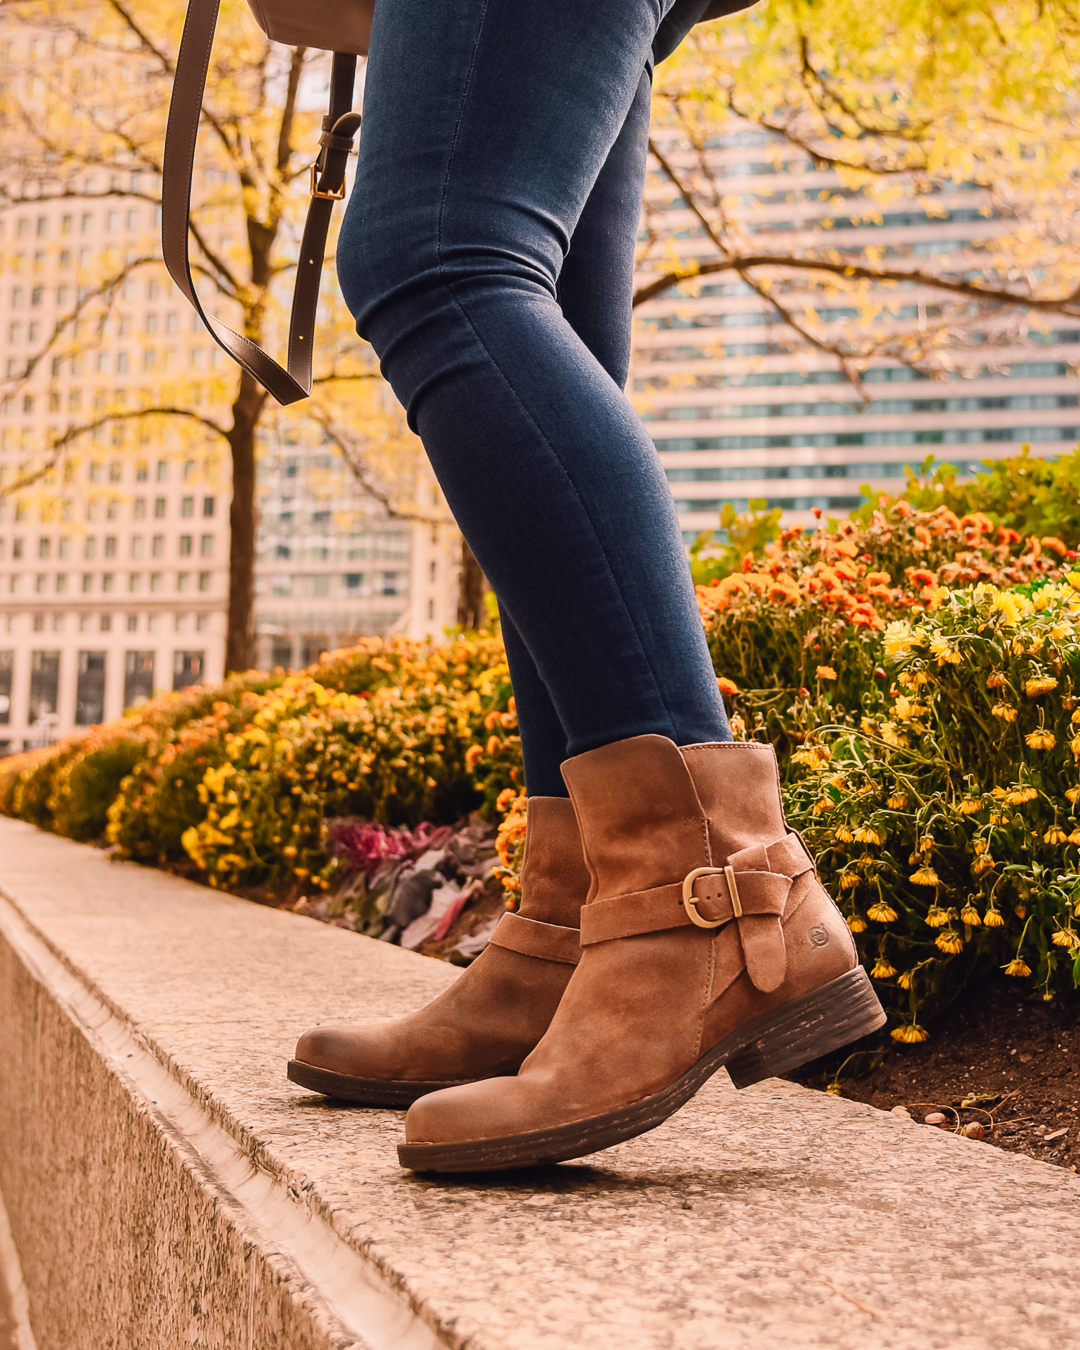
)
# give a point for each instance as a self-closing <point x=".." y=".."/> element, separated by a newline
<point x="690" y="904"/>
<point x="327" y="196"/>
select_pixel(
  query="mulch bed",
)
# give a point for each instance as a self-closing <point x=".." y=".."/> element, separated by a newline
<point x="997" y="1059"/>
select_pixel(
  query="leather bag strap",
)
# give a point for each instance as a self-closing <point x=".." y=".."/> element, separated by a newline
<point x="327" y="186"/>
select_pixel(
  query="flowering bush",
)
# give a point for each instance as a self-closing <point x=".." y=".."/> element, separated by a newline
<point x="917" y="672"/>
<point x="796" y="634"/>
<point x="947" y="821"/>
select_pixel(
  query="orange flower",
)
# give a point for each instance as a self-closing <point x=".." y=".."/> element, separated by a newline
<point x="727" y="687"/>
<point x="878" y="579"/>
<point x="847" y="569"/>
<point x="920" y="576"/>
<point x="1051" y="541"/>
<point x="848" y="549"/>
<point x="825" y="673"/>
<point x="473" y="755"/>
<point x="1007" y="535"/>
<point x="777" y="592"/>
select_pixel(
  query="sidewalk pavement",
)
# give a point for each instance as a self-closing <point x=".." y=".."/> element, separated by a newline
<point x="774" y="1216"/>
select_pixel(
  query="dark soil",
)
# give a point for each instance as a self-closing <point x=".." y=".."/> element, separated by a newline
<point x="1011" y="1065"/>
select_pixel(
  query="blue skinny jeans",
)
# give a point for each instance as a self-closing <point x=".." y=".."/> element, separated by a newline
<point x="487" y="254"/>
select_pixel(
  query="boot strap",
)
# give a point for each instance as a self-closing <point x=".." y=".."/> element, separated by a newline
<point x="751" y="890"/>
<point x="530" y="937"/>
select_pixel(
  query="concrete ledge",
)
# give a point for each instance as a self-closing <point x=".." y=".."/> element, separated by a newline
<point x="167" y="1187"/>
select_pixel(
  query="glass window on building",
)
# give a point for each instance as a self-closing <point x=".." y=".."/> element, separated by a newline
<point x="311" y="648"/>
<point x="138" y="678"/>
<point x="187" y="668"/>
<point x="90" y="689"/>
<point x="7" y="661"/>
<point x="281" y="652"/>
<point x="44" y="682"/>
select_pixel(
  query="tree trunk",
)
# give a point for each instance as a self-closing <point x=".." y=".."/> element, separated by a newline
<point x="240" y="640"/>
<point x="471" y="587"/>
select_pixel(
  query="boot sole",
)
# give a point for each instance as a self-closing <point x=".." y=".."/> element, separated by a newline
<point x="776" y="1042"/>
<point x="393" y="1092"/>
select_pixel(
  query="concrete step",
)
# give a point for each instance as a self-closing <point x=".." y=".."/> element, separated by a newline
<point x="166" y="1186"/>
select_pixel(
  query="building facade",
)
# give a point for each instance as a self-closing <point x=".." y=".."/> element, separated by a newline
<point x="740" y="409"/>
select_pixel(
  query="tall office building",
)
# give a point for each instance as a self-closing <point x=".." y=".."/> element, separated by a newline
<point x="114" y="582"/>
<point x="333" y="564"/>
<point x="114" y="565"/>
<point x="740" y="409"/>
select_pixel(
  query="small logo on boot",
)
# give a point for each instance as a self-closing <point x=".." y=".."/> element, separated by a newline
<point x="818" y="936"/>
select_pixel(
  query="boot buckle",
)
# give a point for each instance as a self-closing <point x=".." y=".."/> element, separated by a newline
<point x="690" y="904"/>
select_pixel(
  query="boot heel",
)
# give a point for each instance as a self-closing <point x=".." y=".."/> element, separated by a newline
<point x="807" y="1028"/>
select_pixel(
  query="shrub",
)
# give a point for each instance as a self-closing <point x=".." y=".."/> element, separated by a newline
<point x="796" y="635"/>
<point x="1025" y="493"/>
<point x="947" y="823"/>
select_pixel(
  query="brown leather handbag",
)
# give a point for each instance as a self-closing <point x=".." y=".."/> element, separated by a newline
<point x="305" y="24"/>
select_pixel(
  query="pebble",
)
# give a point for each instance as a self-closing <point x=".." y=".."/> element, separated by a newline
<point x="1056" y="1135"/>
<point x="935" y="1118"/>
<point x="901" y="1111"/>
<point x="695" y="1190"/>
<point x="974" y="1130"/>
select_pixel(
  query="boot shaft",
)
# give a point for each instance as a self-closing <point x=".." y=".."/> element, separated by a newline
<point x="554" y="878"/>
<point x="650" y="812"/>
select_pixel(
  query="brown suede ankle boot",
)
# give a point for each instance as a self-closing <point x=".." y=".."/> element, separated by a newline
<point x="493" y="1015"/>
<point x="707" y="941"/>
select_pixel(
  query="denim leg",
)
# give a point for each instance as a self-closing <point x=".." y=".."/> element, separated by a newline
<point x="595" y="293"/>
<point x="487" y="124"/>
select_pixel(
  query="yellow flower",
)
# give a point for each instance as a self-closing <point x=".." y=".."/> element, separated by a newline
<point x="1074" y="838"/>
<point x="1041" y="739"/>
<point x="1018" y="796"/>
<point x="880" y="912"/>
<point x="1018" y="968"/>
<point x="1039" y="684"/>
<point x="907" y="979"/>
<point x="865" y="835"/>
<point x="882" y="970"/>
<point x="843" y="834"/>
<point x="969" y="805"/>
<point x="983" y="864"/>
<point x="970" y="915"/>
<point x="993" y="919"/>
<point x="1065" y="937"/>
<point x="995" y="679"/>
<point x="1055" y="835"/>
<point x="925" y="876"/>
<point x="909" y="1034"/>
<point x="897" y="802"/>
<point x="941" y="647"/>
<point x="857" y="924"/>
<point x="825" y="673"/>
<point x="936" y="917"/>
<point x="1005" y="711"/>
<point x="848" y="881"/>
<point x="899" y="639"/>
<point x="1073" y="794"/>
<point x="949" y="941"/>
